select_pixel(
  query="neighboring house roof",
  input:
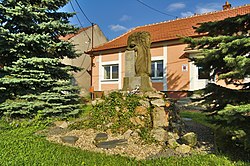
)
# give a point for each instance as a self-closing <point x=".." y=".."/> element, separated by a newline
<point x="69" y="36"/>
<point x="174" y="29"/>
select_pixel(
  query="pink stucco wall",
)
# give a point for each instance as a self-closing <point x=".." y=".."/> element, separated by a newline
<point x="177" y="79"/>
<point x="158" y="51"/>
<point x="109" y="86"/>
<point x="110" y="57"/>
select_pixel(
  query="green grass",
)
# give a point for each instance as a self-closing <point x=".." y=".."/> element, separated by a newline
<point x="20" y="146"/>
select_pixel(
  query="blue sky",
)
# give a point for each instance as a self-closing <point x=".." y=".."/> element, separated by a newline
<point x="116" y="17"/>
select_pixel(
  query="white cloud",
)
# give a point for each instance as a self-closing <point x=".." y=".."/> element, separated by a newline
<point x="125" y="18"/>
<point x="118" y="27"/>
<point x="202" y="8"/>
<point x="206" y="8"/>
<point x="176" y="6"/>
<point x="186" y="14"/>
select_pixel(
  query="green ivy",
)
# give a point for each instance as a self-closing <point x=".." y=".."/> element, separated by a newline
<point x="115" y="112"/>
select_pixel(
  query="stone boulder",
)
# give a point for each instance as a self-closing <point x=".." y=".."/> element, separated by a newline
<point x="54" y="131"/>
<point x="172" y="135"/>
<point x="127" y="134"/>
<point x="141" y="110"/>
<point x="159" y="134"/>
<point x="69" y="139"/>
<point x="101" y="137"/>
<point x="137" y="121"/>
<point x="158" y="102"/>
<point x="183" y="149"/>
<point x="160" y="118"/>
<point x="145" y="103"/>
<point x="61" y="124"/>
<point x="189" y="139"/>
<point x="136" y="133"/>
<point x="112" y="144"/>
<point x="154" y="95"/>
<point x="172" y="143"/>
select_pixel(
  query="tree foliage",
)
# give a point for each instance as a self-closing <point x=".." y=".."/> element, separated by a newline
<point x="225" y="51"/>
<point x="32" y="77"/>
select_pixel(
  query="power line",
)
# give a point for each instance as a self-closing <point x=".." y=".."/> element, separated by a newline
<point x="83" y="12"/>
<point x="92" y="24"/>
<point x="87" y="36"/>
<point x="75" y="14"/>
<point x="78" y="19"/>
<point x="156" y="9"/>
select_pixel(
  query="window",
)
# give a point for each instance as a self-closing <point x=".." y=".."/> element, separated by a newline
<point x="157" y="69"/>
<point x="111" y="72"/>
<point x="202" y="74"/>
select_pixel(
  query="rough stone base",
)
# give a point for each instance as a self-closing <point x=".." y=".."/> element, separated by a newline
<point x="144" y="82"/>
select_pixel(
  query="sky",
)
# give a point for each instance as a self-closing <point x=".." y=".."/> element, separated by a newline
<point x="116" y="17"/>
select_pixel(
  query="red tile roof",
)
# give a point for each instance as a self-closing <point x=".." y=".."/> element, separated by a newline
<point x="69" y="36"/>
<point x="170" y="30"/>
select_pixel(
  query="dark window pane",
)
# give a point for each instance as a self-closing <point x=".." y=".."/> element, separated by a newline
<point x="202" y="74"/>
<point x="106" y="72"/>
<point x="115" y="72"/>
<point x="159" y="69"/>
<point x="152" y="69"/>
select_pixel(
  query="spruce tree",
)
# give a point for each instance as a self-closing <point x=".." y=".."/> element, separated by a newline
<point x="32" y="78"/>
<point x="225" y="52"/>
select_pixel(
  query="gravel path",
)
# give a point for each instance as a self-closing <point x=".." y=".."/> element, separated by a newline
<point x="205" y="136"/>
<point x="135" y="147"/>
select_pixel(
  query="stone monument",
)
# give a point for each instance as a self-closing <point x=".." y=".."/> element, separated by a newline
<point x="138" y="62"/>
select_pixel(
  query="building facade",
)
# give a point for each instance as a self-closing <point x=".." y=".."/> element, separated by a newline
<point x="83" y="42"/>
<point x="172" y="71"/>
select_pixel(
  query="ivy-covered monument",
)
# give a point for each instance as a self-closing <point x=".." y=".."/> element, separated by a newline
<point x="138" y="108"/>
<point x="32" y="78"/>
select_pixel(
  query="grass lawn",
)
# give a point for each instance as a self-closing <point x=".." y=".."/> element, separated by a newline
<point x="20" y="146"/>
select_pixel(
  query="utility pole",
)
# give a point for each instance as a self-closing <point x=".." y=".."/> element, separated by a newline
<point x="91" y="65"/>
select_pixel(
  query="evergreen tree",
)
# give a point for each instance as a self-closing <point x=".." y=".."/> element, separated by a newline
<point x="32" y="78"/>
<point x="225" y="51"/>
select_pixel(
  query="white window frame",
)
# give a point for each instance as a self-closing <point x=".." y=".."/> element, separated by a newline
<point x="155" y="66"/>
<point x="164" y="59"/>
<point x="110" y="64"/>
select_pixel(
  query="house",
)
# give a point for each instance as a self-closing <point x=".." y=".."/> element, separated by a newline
<point x="171" y="71"/>
<point x="83" y="42"/>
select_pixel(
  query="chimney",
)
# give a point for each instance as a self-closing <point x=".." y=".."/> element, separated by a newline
<point x="227" y="6"/>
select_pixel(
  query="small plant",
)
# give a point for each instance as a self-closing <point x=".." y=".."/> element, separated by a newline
<point x="145" y="135"/>
<point x="115" y="113"/>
